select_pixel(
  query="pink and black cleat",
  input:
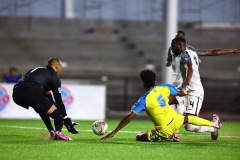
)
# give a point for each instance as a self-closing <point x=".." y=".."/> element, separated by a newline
<point x="59" y="136"/>
<point x="216" y="121"/>
<point x="217" y="125"/>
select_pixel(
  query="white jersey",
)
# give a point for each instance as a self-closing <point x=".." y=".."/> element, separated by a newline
<point x="176" y="77"/>
<point x="195" y="83"/>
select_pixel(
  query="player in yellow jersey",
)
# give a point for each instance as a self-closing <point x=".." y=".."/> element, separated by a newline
<point x="156" y="104"/>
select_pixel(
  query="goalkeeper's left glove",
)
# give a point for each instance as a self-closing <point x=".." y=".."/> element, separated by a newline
<point x="70" y="125"/>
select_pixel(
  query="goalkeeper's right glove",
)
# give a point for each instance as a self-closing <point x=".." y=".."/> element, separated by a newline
<point x="70" y="125"/>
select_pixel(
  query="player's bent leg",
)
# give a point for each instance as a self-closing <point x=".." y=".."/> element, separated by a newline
<point x="142" y="136"/>
<point x="200" y="129"/>
<point x="51" y="109"/>
<point x="174" y="127"/>
<point x="191" y="127"/>
<point x="157" y="134"/>
<point x="202" y="125"/>
<point x="46" y="121"/>
<point x="58" y="122"/>
<point x="198" y="121"/>
<point x="203" y="122"/>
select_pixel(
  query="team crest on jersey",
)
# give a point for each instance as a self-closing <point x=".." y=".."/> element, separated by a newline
<point x="186" y="59"/>
<point x="59" y="90"/>
<point x="4" y="98"/>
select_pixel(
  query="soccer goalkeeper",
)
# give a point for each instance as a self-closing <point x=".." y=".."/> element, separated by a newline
<point x="31" y="91"/>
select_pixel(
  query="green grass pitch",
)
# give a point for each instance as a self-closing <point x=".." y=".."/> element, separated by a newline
<point x="21" y="140"/>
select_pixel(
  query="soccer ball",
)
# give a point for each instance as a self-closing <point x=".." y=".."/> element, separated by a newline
<point x="100" y="127"/>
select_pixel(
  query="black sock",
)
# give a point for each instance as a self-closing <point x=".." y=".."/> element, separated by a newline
<point x="47" y="122"/>
<point x="58" y="120"/>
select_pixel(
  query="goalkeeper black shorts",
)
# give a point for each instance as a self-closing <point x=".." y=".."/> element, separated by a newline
<point x="27" y="96"/>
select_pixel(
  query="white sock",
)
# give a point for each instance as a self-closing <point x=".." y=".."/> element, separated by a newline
<point x="200" y="129"/>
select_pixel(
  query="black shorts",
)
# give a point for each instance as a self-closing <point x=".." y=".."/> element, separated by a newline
<point x="27" y="96"/>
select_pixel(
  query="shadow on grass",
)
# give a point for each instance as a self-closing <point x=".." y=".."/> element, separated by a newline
<point x="189" y="143"/>
<point x="133" y="142"/>
<point x="23" y="139"/>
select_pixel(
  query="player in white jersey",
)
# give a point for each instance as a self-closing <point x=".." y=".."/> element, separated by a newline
<point x="190" y="60"/>
<point x="172" y="60"/>
<point x="178" y="74"/>
<point x="176" y="77"/>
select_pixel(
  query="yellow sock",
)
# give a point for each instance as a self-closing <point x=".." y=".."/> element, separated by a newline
<point x="199" y="121"/>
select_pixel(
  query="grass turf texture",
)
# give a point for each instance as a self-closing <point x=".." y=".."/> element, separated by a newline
<point x="21" y="139"/>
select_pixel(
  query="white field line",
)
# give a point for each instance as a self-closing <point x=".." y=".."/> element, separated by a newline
<point x="131" y="132"/>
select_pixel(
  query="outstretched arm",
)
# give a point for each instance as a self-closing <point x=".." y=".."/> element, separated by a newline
<point x="122" y="124"/>
<point x="219" y="52"/>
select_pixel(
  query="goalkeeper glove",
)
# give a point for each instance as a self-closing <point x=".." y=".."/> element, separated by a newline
<point x="75" y="124"/>
<point x="70" y="125"/>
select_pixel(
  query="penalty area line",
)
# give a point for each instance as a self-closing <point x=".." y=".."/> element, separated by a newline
<point x="131" y="132"/>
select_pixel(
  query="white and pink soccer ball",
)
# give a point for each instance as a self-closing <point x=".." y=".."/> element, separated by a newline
<point x="100" y="127"/>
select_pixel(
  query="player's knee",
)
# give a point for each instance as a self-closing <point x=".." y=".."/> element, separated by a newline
<point x="56" y="115"/>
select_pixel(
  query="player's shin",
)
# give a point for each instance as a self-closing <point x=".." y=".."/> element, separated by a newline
<point x="58" y="120"/>
<point x="200" y="129"/>
<point x="47" y="122"/>
<point x="199" y="121"/>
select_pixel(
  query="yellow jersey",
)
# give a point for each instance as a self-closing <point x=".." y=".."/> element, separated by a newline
<point x="155" y="104"/>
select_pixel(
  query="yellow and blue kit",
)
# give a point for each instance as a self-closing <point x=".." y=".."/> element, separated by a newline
<point x="155" y="104"/>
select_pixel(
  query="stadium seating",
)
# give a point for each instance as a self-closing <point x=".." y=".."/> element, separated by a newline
<point x="119" y="50"/>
